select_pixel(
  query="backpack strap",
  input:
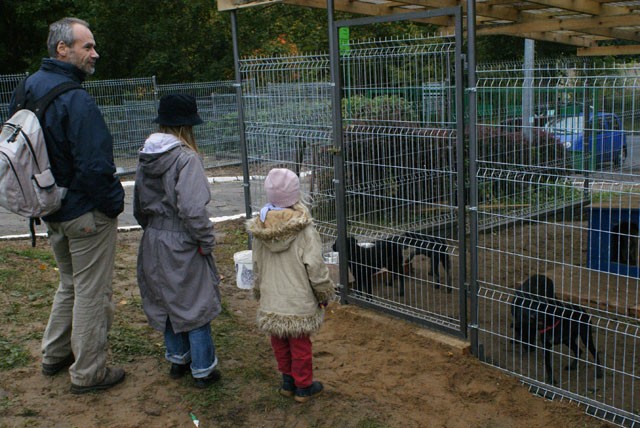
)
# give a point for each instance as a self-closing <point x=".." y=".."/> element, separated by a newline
<point x="40" y="105"/>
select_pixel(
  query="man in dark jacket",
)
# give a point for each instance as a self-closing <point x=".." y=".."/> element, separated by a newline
<point x="83" y="232"/>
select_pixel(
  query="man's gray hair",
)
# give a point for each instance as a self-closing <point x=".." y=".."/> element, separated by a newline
<point x="62" y="31"/>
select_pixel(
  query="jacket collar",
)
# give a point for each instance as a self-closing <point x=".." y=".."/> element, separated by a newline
<point x="68" y="69"/>
<point x="280" y="225"/>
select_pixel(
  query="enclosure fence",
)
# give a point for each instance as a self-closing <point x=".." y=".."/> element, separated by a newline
<point x="558" y="203"/>
<point x="129" y="107"/>
<point x="543" y="208"/>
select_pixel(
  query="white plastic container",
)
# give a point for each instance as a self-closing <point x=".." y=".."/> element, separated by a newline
<point x="244" y="269"/>
<point x="331" y="258"/>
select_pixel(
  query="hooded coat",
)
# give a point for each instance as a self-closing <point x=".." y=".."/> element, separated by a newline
<point x="176" y="271"/>
<point x="290" y="277"/>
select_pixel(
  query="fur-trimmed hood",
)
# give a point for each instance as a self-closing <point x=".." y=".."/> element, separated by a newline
<point x="281" y="227"/>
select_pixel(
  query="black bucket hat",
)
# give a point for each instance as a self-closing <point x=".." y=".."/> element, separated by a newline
<point x="178" y="110"/>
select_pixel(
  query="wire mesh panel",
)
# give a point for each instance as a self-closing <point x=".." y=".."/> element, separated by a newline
<point x="8" y="83"/>
<point x="129" y="107"/>
<point x="218" y="138"/>
<point x="558" y="226"/>
<point x="287" y="103"/>
<point x="400" y="175"/>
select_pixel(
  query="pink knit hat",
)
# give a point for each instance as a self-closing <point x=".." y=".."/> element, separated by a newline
<point x="282" y="187"/>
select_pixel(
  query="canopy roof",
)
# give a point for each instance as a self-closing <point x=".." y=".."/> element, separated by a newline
<point x="590" y="25"/>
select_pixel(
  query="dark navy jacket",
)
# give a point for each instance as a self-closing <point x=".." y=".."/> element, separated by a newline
<point x="80" y="148"/>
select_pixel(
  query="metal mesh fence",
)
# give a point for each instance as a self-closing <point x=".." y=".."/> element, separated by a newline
<point x="218" y="138"/>
<point x="559" y="203"/>
<point x="287" y="105"/>
<point x="8" y="82"/>
<point x="130" y="105"/>
<point x="400" y="167"/>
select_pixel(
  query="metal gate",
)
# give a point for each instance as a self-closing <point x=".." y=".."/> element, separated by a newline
<point x="375" y="135"/>
<point x="398" y="132"/>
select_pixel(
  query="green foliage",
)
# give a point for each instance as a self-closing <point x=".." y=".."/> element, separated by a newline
<point x="12" y="355"/>
<point x="379" y="108"/>
<point x="190" y="40"/>
<point x="509" y="48"/>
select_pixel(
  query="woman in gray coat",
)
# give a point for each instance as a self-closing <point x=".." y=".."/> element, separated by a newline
<point x="176" y="271"/>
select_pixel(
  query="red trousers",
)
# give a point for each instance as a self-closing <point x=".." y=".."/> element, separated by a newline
<point x="294" y="358"/>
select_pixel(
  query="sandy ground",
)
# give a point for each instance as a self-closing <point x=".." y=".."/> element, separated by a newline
<point x="378" y="372"/>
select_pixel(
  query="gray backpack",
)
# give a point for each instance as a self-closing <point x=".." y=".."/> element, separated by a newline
<point x="27" y="185"/>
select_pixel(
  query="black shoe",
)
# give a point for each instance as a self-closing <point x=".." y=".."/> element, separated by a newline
<point x="288" y="387"/>
<point x="113" y="377"/>
<point x="53" y="369"/>
<point x="204" y="382"/>
<point x="178" y="370"/>
<point x="305" y="394"/>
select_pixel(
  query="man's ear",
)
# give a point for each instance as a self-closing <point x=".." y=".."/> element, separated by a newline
<point x="61" y="49"/>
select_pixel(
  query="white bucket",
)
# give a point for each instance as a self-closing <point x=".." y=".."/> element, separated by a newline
<point x="331" y="258"/>
<point x="244" y="269"/>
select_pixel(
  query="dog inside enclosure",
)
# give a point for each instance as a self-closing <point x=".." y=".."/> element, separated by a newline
<point x="536" y="313"/>
<point x="367" y="260"/>
<point x="434" y="248"/>
<point x="396" y="255"/>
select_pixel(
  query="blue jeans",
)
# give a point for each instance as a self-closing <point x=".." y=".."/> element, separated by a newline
<point x="195" y="347"/>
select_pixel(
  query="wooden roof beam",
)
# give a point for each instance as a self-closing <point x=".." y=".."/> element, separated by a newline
<point x="590" y="7"/>
<point x="566" y="39"/>
<point x="576" y="24"/>
<point x="609" y="50"/>
<point x="370" y="9"/>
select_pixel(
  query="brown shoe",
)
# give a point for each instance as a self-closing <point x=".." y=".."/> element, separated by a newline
<point x="113" y="377"/>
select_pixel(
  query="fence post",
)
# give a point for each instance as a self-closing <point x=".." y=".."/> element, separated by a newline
<point x="155" y="89"/>
<point x="243" y="141"/>
<point x="338" y="158"/>
<point x="473" y="183"/>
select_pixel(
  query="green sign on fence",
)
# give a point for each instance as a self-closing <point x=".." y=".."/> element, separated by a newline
<point x="343" y="39"/>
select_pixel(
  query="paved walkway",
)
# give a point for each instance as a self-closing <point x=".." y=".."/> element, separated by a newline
<point x="227" y="200"/>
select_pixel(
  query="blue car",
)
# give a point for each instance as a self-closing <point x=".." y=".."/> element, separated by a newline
<point x="602" y="129"/>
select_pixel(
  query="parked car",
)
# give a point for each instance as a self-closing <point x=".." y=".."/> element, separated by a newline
<point x="602" y="129"/>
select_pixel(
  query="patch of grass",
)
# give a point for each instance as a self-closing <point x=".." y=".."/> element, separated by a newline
<point x="127" y="341"/>
<point x="12" y="355"/>
<point x="28" y="413"/>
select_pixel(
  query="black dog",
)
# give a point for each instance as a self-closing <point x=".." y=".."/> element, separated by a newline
<point x="364" y="262"/>
<point x="537" y="313"/>
<point x="525" y="306"/>
<point x="390" y="255"/>
<point x="435" y="249"/>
